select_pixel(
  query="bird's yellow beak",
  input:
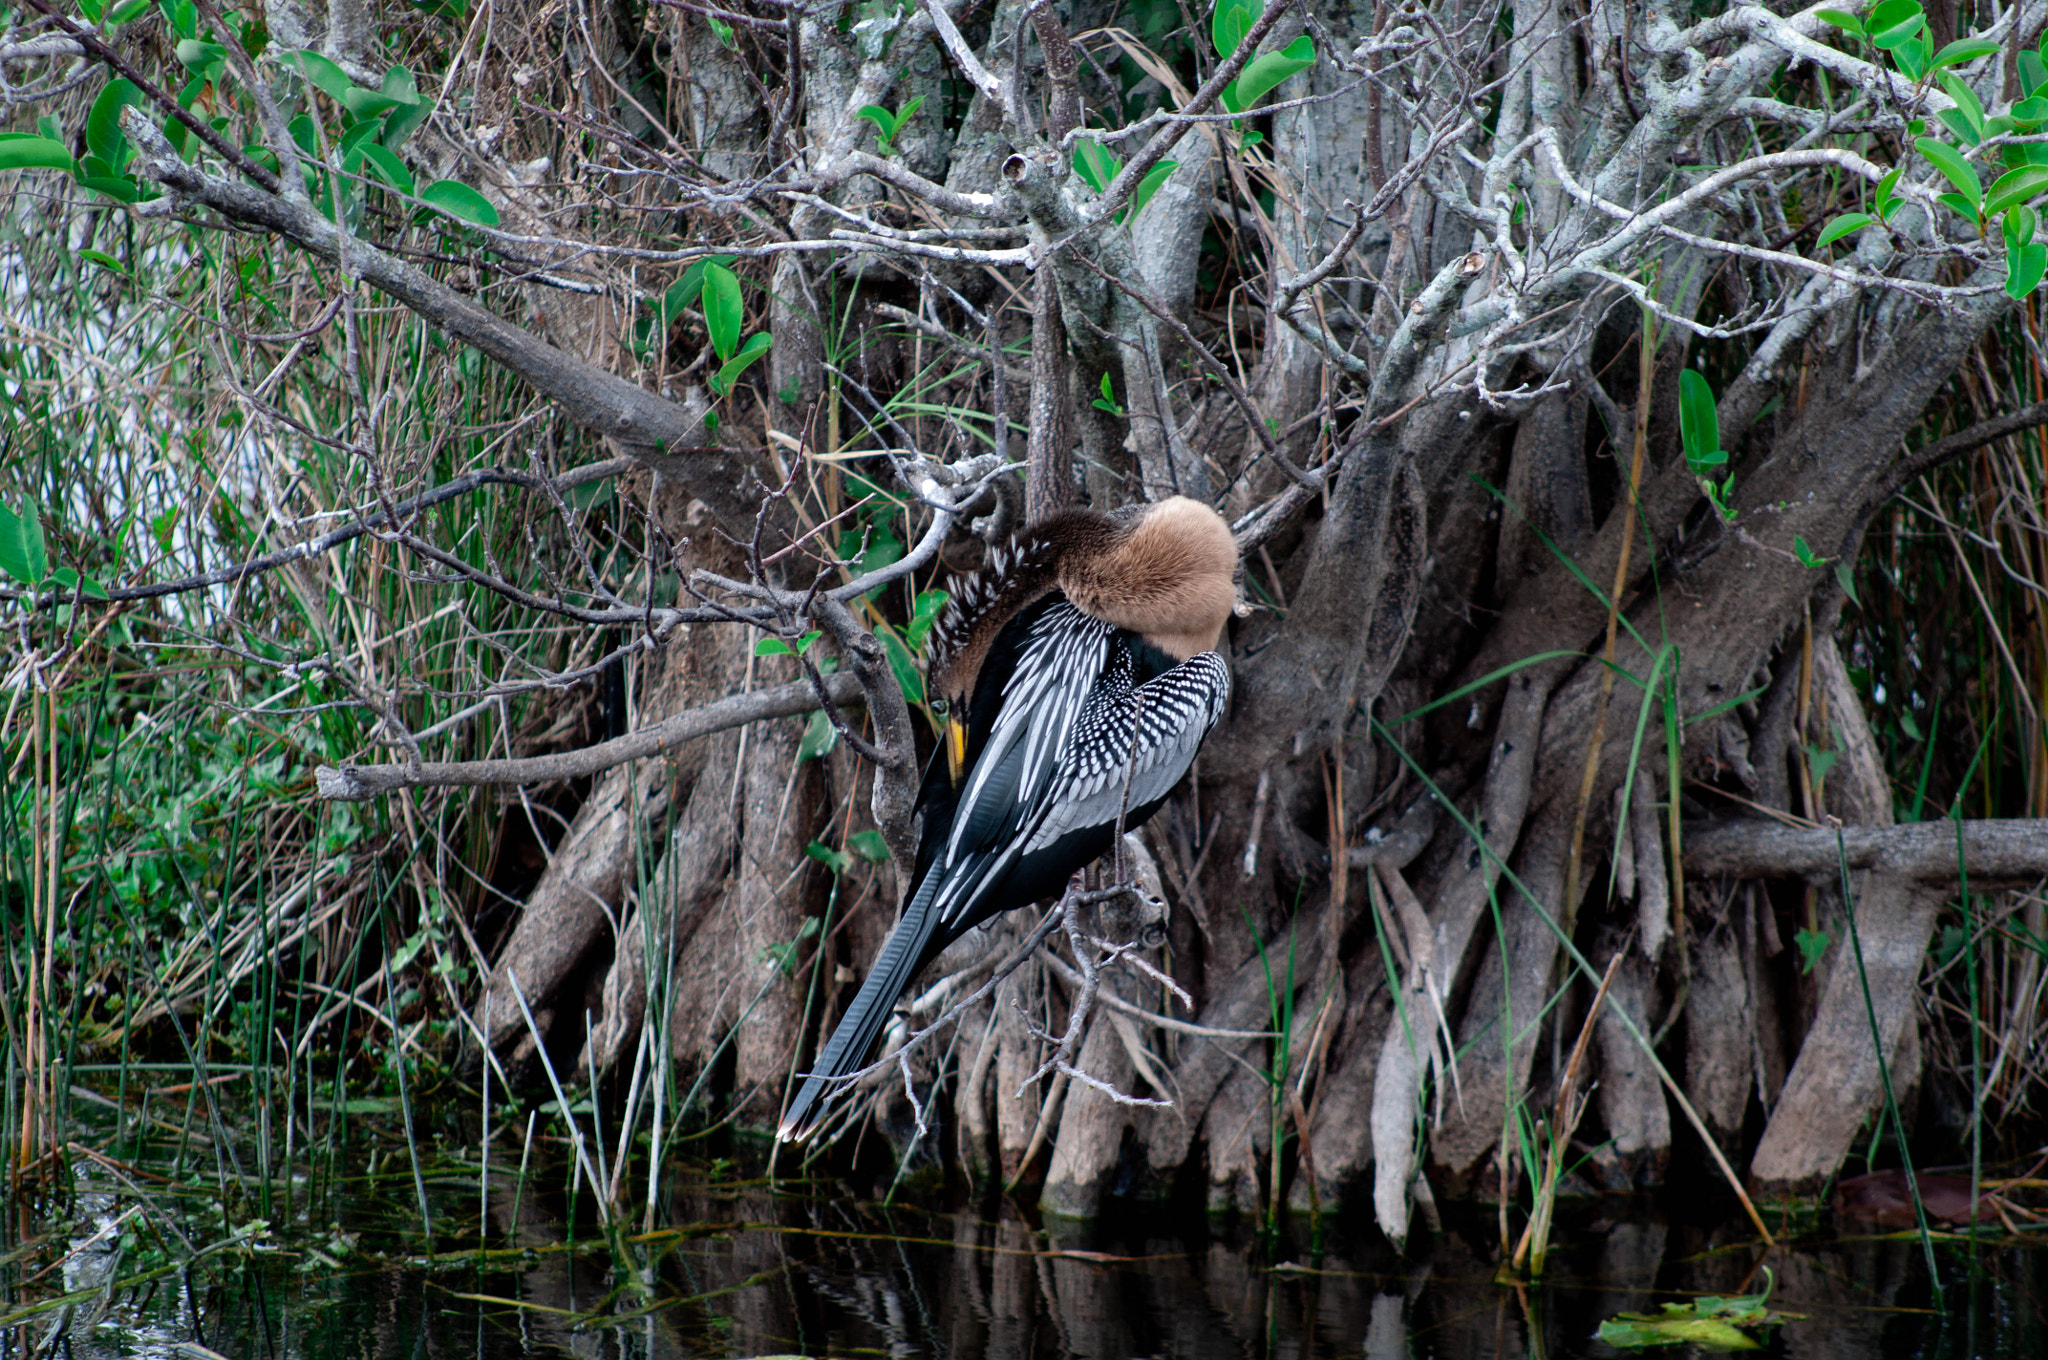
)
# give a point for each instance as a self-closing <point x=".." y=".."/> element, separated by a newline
<point x="956" y="749"/>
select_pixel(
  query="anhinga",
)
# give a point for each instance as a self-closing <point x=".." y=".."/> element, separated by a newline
<point x="1077" y="675"/>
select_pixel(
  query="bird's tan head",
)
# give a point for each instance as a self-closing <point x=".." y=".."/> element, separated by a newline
<point x="1168" y="573"/>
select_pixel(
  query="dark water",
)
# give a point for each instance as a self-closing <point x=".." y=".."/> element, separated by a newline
<point x="735" y="1269"/>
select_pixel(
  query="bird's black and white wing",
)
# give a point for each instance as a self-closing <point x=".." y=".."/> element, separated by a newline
<point x="1106" y="770"/>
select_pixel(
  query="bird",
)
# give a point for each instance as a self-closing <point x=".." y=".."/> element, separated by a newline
<point x="1075" y="676"/>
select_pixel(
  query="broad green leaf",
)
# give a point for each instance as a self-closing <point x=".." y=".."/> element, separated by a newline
<point x="35" y="153"/>
<point x="908" y="676"/>
<point x="324" y="75"/>
<point x="686" y="289"/>
<point x="1953" y="167"/>
<point x="1268" y="69"/>
<point x="1699" y="424"/>
<point x="21" y="546"/>
<point x="120" y="188"/>
<point x="1958" y="125"/>
<point x="884" y="121"/>
<point x="723" y="310"/>
<point x="777" y="647"/>
<point x="126" y="14"/>
<point x="2020" y="225"/>
<point x="1095" y="164"/>
<point x="820" y="736"/>
<point x="923" y="614"/>
<point x="869" y="845"/>
<point x="91" y="9"/>
<point x="347" y="143"/>
<point x="369" y="104"/>
<point x="1967" y="104"/>
<point x="104" y="261"/>
<point x="1709" y="1334"/>
<point x="1840" y="227"/>
<point x="729" y="373"/>
<point x="2015" y="187"/>
<point x="70" y="582"/>
<point x="1957" y="204"/>
<point x="1962" y="50"/>
<point x="389" y="168"/>
<point x="2033" y="73"/>
<point x="1911" y="58"/>
<point x="1894" y="21"/>
<point x="1805" y="554"/>
<point x="182" y="16"/>
<point x="1841" y="19"/>
<point x="1847" y="578"/>
<point x="202" y="58"/>
<point x="2030" y="111"/>
<point x="1149" y="186"/>
<point x="103" y="135"/>
<point x="1233" y="18"/>
<point x="2023" y="269"/>
<point x="909" y="112"/>
<point x="457" y="199"/>
<point x="838" y="861"/>
<point x="403" y="121"/>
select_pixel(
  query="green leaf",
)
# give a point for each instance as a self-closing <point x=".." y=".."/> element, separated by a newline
<point x="205" y="59"/>
<point x="403" y="121"/>
<point x="777" y="647"/>
<point x="1096" y="164"/>
<point x="723" y="309"/>
<point x="1957" y="204"/>
<point x="869" y="845"/>
<point x="1805" y="554"/>
<point x="1958" y="124"/>
<point x="1848" y="23"/>
<point x="1967" y="104"/>
<point x="884" y="121"/>
<point x="2020" y="225"/>
<point x="2033" y="73"/>
<point x="103" y="135"/>
<point x="70" y="582"/>
<point x="909" y="112"/>
<point x="1909" y="725"/>
<point x="820" y="736"/>
<point x="1812" y="945"/>
<point x="457" y="199"/>
<point x="1847" y="580"/>
<point x="26" y="152"/>
<point x="1911" y="57"/>
<point x="2023" y="269"/>
<point x="1232" y="20"/>
<point x="729" y="372"/>
<point x="1953" y="167"/>
<point x="1894" y="21"/>
<point x="1149" y="186"/>
<point x="908" y="676"/>
<point x="120" y="188"/>
<point x="22" y="555"/>
<point x="369" y="104"/>
<point x="1268" y="69"/>
<point x="1699" y="424"/>
<point x="1962" y="50"/>
<point x="1707" y="1334"/>
<point x="182" y="16"/>
<point x="127" y="13"/>
<point x="924" y="613"/>
<point x="1842" y="226"/>
<point x="838" y="861"/>
<point x="324" y="75"/>
<point x="389" y="168"/>
<point x="2030" y="112"/>
<point x="104" y="261"/>
<point x="2014" y="188"/>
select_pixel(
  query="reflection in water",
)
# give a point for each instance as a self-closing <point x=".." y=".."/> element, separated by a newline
<point x="744" y="1271"/>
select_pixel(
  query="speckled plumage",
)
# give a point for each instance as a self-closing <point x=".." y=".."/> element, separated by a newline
<point x="1069" y="718"/>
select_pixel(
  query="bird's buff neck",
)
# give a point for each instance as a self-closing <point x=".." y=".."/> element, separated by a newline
<point x="1170" y="577"/>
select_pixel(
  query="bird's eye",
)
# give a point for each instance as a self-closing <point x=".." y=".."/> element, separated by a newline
<point x="940" y="707"/>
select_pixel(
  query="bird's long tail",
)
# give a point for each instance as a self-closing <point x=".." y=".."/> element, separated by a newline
<point x="846" y="1051"/>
